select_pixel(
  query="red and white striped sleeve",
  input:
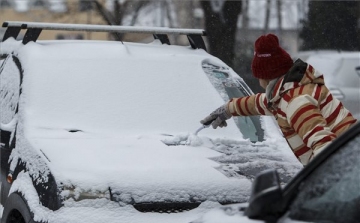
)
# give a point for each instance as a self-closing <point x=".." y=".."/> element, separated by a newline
<point x="250" y="105"/>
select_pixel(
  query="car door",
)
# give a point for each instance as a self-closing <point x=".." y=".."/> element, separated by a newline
<point x="332" y="192"/>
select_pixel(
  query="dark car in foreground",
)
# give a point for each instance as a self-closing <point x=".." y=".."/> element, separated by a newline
<point x="327" y="190"/>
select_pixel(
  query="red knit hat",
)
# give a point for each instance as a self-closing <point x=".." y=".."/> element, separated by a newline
<point x="270" y="60"/>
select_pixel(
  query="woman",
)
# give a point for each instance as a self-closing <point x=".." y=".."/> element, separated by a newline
<point x="295" y="93"/>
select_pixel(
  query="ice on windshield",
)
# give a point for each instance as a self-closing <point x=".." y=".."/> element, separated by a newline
<point x="231" y="86"/>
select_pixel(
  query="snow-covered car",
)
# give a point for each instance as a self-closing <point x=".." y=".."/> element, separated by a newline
<point x="104" y="131"/>
<point x="339" y="69"/>
<point x="327" y="190"/>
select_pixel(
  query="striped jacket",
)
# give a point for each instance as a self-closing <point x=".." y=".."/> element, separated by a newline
<point x="306" y="112"/>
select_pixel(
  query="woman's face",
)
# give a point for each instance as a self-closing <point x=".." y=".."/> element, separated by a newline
<point x="263" y="83"/>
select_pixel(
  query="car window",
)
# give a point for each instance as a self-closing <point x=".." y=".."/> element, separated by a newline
<point x="332" y="192"/>
<point x="230" y="87"/>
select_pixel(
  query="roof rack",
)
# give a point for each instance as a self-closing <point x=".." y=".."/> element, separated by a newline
<point x="34" y="29"/>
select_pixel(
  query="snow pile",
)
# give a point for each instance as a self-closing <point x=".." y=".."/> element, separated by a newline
<point x="194" y="140"/>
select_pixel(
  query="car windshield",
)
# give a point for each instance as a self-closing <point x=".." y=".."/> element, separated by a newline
<point x="230" y="86"/>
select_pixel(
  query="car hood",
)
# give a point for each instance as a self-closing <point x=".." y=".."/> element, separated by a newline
<point x="140" y="168"/>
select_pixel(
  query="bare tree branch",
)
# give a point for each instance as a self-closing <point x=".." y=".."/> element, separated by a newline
<point x="110" y="20"/>
<point x="139" y="5"/>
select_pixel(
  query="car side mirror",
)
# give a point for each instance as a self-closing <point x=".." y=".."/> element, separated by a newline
<point x="266" y="196"/>
<point x="357" y="70"/>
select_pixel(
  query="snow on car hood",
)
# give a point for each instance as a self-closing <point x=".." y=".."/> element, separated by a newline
<point x="139" y="168"/>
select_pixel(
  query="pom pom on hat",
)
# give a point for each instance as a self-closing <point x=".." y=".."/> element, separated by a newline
<point x="270" y="60"/>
